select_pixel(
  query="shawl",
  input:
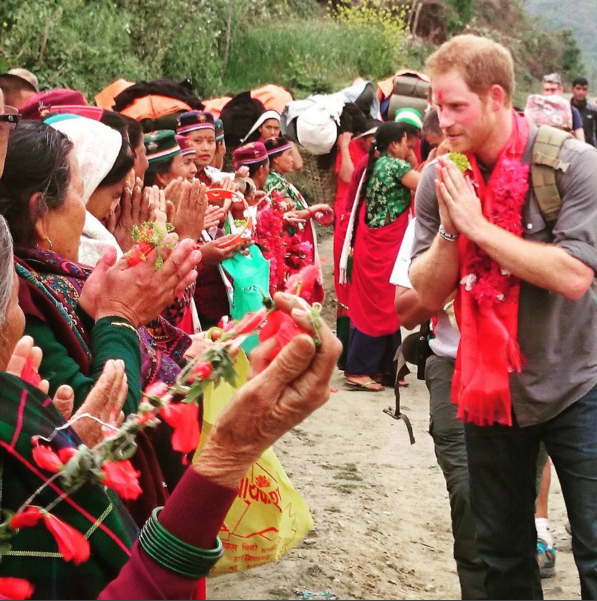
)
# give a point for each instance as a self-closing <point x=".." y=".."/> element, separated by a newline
<point x="53" y="285"/>
<point x="371" y="297"/>
<point x="96" y="146"/>
<point x="342" y="214"/>
<point x="93" y="510"/>
<point x="487" y="298"/>
<point x="95" y="241"/>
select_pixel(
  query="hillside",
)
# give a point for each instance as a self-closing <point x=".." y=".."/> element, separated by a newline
<point x="309" y="46"/>
<point x="579" y="16"/>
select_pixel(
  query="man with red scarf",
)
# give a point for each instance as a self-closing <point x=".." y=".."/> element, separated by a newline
<point x="526" y="369"/>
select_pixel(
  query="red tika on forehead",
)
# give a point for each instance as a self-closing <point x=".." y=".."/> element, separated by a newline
<point x="439" y="96"/>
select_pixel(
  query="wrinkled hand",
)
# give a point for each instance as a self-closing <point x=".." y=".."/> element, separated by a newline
<point x="242" y="171"/>
<point x="189" y="219"/>
<point x="461" y="207"/>
<point x="139" y="293"/>
<point x="25" y="349"/>
<point x="213" y="253"/>
<point x="104" y="401"/>
<point x="198" y="346"/>
<point x="287" y="391"/>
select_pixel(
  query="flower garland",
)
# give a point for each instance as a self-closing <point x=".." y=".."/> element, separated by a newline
<point x="486" y="280"/>
<point x="269" y="235"/>
<point x="108" y="462"/>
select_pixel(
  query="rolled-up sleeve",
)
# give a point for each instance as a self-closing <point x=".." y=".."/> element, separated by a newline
<point x="576" y="228"/>
<point x="427" y="211"/>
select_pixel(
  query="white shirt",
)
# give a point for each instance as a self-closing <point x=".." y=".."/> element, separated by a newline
<point x="447" y="339"/>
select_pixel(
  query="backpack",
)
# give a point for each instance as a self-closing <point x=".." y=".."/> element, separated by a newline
<point x="544" y="166"/>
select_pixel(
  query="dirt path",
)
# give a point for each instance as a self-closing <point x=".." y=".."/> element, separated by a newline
<point x="380" y="507"/>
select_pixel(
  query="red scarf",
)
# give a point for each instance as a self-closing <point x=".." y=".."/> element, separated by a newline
<point x="487" y="299"/>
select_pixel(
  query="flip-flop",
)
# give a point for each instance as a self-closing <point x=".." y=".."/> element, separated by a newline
<point x="365" y="386"/>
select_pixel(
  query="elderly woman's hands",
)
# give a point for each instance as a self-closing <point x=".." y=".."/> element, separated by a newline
<point x="134" y="208"/>
<point x="139" y="293"/>
<point x="278" y="398"/>
<point x="104" y="401"/>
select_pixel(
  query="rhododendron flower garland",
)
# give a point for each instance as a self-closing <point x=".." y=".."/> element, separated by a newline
<point x="108" y="462"/>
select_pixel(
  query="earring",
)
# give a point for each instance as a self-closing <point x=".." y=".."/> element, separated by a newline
<point x="49" y="242"/>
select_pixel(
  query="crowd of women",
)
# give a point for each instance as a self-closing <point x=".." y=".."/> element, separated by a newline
<point x="127" y="249"/>
<point x="112" y="244"/>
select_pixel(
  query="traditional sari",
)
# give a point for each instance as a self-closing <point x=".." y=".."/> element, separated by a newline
<point x="345" y="197"/>
<point x="382" y="222"/>
<point x="49" y="296"/>
<point x="93" y="510"/>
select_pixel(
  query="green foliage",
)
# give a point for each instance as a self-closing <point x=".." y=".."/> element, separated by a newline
<point x="68" y="43"/>
<point x="579" y="16"/>
<point x="461" y="14"/>
<point x="310" y="48"/>
<point x="313" y="56"/>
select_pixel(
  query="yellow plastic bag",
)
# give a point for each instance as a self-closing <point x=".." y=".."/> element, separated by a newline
<point x="269" y="516"/>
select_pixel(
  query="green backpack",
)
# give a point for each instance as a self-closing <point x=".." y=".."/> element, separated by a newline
<point x="544" y="166"/>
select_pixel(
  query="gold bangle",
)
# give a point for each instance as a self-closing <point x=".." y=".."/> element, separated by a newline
<point x="122" y="324"/>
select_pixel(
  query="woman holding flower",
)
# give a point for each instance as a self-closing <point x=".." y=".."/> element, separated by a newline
<point x="88" y="527"/>
<point x="299" y="217"/>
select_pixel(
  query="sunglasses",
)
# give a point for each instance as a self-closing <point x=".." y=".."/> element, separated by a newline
<point x="11" y="116"/>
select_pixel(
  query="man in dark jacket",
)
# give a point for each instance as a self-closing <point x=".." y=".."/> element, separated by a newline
<point x="587" y="110"/>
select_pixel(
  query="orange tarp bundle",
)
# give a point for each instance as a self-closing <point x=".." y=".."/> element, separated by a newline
<point x="105" y="99"/>
<point x="273" y="97"/>
<point x="154" y="107"/>
<point x="215" y="105"/>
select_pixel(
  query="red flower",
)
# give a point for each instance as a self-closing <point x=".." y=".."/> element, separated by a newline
<point x="282" y="327"/>
<point x="71" y="543"/>
<point x="135" y="255"/>
<point x="303" y="282"/>
<point x="250" y="322"/>
<point x="66" y="454"/>
<point x="139" y="252"/>
<point x="184" y="418"/>
<point x="202" y="369"/>
<point x="15" y="588"/>
<point x="46" y="459"/>
<point x="29" y="374"/>
<point x="157" y="389"/>
<point x="27" y="519"/>
<point x="123" y="478"/>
